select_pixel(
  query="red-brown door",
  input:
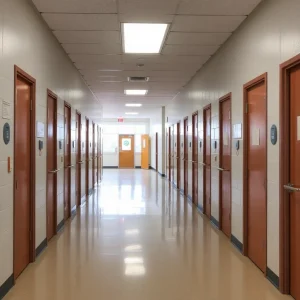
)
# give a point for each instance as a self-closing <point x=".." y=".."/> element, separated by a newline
<point x="225" y="165"/>
<point x="93" y="155"/>
<point x="156" y="151"/>
<point x="98" y="155"/>
<point x="294" y="181"/>
<point x="207" y="161"/>
<point x="178" y="155"/>
<point x="195" y="158"/>
<point x="169" y="154"/>
<point x="67" y="164"/>
<point x="78" y="159"/>
<point x="186" y="156"/>
<point x="256" y="164"/>
<point x="87" y="153"/>
<point x="23" y="169"/>
<point x="172" y="154"/>
<point x="51" y="166"/>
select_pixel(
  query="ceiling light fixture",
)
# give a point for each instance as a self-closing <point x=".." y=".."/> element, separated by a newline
<point x="133" y="104"/>
<point x="143" y="37"/>
<point x="131" y="113"/>
<point x="136" y="92"/>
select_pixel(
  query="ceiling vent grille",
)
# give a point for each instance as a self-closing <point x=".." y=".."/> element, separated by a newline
<point x="138" y="79"/>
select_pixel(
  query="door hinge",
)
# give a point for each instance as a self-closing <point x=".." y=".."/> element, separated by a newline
<point x="247" y="108"/>
<point x="31" y="104"/>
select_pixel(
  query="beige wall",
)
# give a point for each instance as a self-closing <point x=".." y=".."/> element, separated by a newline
<point x="270" y="36"/>
<point x="26" y="41"/>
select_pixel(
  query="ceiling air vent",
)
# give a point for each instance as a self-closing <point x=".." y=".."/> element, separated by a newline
<point x="138" y="79"/>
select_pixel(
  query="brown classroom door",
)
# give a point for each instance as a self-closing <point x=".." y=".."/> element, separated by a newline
<point x="91" y="156"/>
<point x="195" y="159"/>
<point x="294" y="174"/>
<point x="67" y="177"/>
<point x="178" y="155"/>
<point x="145" y="151"/>
<point x="78" y="159"/>
<point x="156" y="151"/>
<point x="256" y="179"/>
<point x="87" y="154"/>
<point x="172" y="154"/>
<point x="126" y="151"/>
<point x="225" y="166"/>
<point x="95" y="156"/>
<point x="51" y="165"/>
<point x="98" y="155"/>
<point x="169" y="154"/>
<point x="185" y="158"/>
<point x="207" y="161"/>
<point x="24" y="203"/>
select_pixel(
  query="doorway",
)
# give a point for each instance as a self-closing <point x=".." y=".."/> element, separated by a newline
<point x="24" y="171"/>
<point x="78" y="159"/>
<point x="126" y="151"/>
<point x="185" y="156"/>
<point x="207" y="160"/>
<point x="67" y="165"/>
<point x="255" y="171"/>
<point x="177" y="156"/>
<point x="169" y="153"/>
<point x="87" y="157"/>
<point x="195" y="158"/>
<point x="156" y="151"/>
<point x="51" y="164"/>
<point x="145" y="151"/>
<point x="289" y="178"/>
<point x="225" y="165"/>
<point x="172" y="155"/>
<point x="94" y="154"/>
<point x="98" y="154"/>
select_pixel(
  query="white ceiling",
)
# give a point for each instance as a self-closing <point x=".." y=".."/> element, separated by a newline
<point x="90" y="33"/>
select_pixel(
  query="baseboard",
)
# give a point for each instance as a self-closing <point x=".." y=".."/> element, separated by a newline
<point x="190" y="198"/>
<point x="6" y="286"/>
<point x="73" y="211"/>
<point x="111" y="167"/>
<point x="273" y="278"/>
<point x="200" y="208"/>
<point x="151" y="168"/>
<point x="41" y="247"/>
<point x="60" y="226"/>
<point x="181" y="192"/>
<point x="215" y="222"/>
<point x="162" y="175"/>
<point x="237" y="243"/>
<point x="91" y="191"/>
<point x="137" y="167"/>
<point x="83" y="200"/>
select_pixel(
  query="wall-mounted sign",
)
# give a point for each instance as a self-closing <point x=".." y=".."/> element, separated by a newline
<point x="120" y="120"/>
<point x="6" y="133"/>
<point x="6" y="110"/>
<point x="274" y="134"/>
<point x="40" y="130"/>
<point x="237" y="131"/>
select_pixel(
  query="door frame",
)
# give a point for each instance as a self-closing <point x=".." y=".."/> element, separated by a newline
<point x="195" y="133"/>
<point x="178" y="155"/>
<point x="284" y="161"/>
<point x="246" y="87"/>
<point x="20" y="73"/>
<point x="204" y="156"/>
<point x="54" y="97"/>
<point x="87" y="155"/>
<point x="185" y="159"/>
<point x="221" y="100"/>
<point x="156" y="151"/>
<point x="78" y="152"/>
<point x="93" y="155"/>
<point x="169" y="154"/>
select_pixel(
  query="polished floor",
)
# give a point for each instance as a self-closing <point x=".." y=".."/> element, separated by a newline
<point x="138" y="239"/>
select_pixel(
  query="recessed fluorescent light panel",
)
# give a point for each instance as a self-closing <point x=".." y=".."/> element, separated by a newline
<point x="131" y="113"/>
<point x="143" y="37"/>
<point x="136" y="92"/>
<point x="133" y="105"/>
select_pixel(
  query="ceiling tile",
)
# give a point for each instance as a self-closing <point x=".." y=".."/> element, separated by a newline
<point x="190" y="50"/>
<point x="217" y="7"/>
<point x="76" y="6"/>
<point x="205" y="39"/>
<point x="92" y="48"/>
<point x="86" y="37"/>
<point x="95" y="58"/>
<point x="82" y="21"/>
<point x="148" y="17"/>
<point x="206" y="23"/>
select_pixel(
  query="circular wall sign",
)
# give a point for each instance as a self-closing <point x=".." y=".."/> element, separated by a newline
<point x="6" y="133"/>
<point x="126" y="143"/>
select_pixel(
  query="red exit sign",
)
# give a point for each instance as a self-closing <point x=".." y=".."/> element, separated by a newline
<point x="120" y="120"/>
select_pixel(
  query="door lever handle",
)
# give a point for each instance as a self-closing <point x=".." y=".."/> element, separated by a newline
<point x="53" y="171"/>
<point x="290" y="188"/>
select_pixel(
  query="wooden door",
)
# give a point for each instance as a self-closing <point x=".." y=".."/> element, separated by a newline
<point x="156" y="151"/>
<point x="24" y="172"/>
<point x="78" y="159"/>
<point x="178" y="156"/>
<point x="98" y="154"/>
<point x="256" y="167"/>
<point x="51" y="165"/>
<point x="207" y="161"/>
<point x="195" y="158"/>
<point x="87" y="157"/>
<point x="95" y="156"/>
<point x="186" y="156"/>
<point x="126" y="151"/>
<point x="294" y="181"/>
<point x="145" y="151"/>
<point x="169" y="154"/>
<point x="91" y="157"/>
<point x="225" y="166"/>
<point x="172" y="154"/>
<point x="67" y="163"/>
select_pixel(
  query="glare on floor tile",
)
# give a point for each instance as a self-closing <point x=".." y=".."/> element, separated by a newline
<point x="135" y="270"/>
<point x="133" y="248"/>
<point x="132" y="231"/>
<point x="133" y="260"/>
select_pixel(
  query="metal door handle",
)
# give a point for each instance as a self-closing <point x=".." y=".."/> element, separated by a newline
<point x="80" y="162"/>
<point x="201" y="163"/>
<point x="290" y="188"/>
<point x="53" y="171"/>
<point x="223" y="170"/>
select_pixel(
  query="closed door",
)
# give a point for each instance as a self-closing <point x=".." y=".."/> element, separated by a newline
<point x="91" y="157"/>
<point x="186" y="156"/>
<point x="83" y="158"/>
<point x="98" y="155"/>
<point x="78" y="159"/>
<point x="95" y="155"/>
<point x="126" y="151"/>
<point x="294" y="181"/>
<point x="178" y="155"/>
<point x="156" y="151"/>
<point x="225" y="166"/>
<point x="51" y="167"/>
<point x="87" y="157"/>
<point x="195" y="158"/>
<point x="207" y="162"/>
<point x="23" y="174"/>
<point x="145" y="151"/>
<point x="67" y="165"/>
<point x="170" y="154"/>
<point x="257" y="174"/>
